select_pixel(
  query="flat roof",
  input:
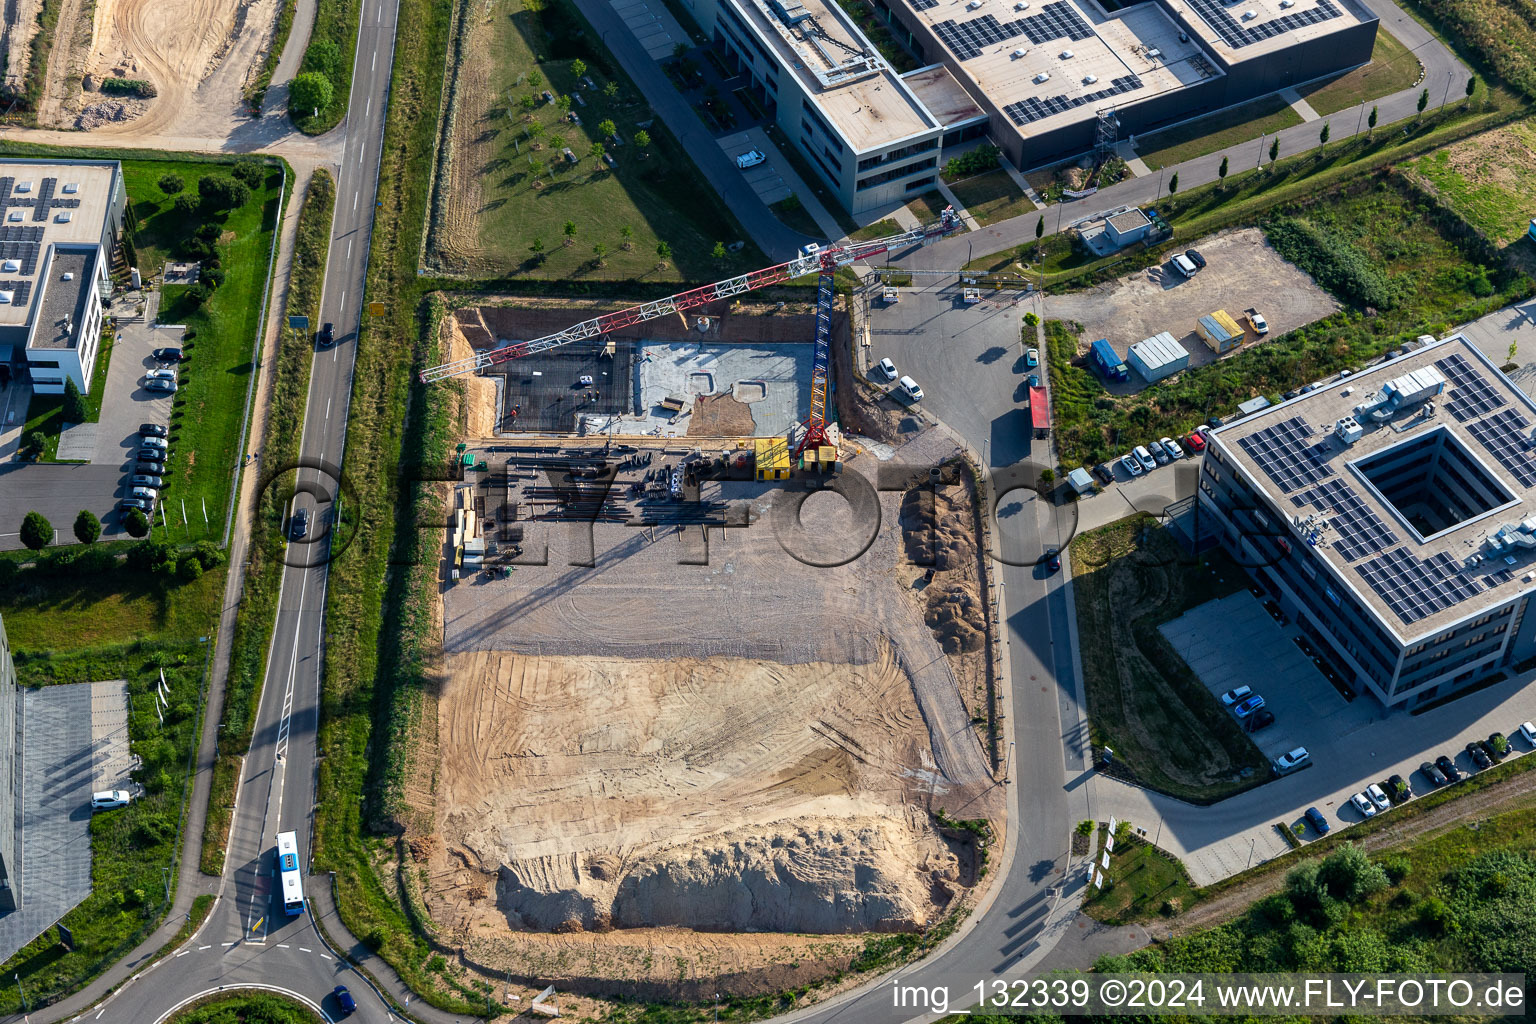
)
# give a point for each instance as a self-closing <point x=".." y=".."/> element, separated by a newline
<point x="943" y="95"/>
<point x="1130" y="56"/>
<point x="1130" y="220"/>
<point x="1246" y="29"/>
<point x="872" y="111"/>
<point x="1415" y="585"/>
<point x="33" y="198"/>
<point x="1160" y="350"/>
<point x="63" y="299"/>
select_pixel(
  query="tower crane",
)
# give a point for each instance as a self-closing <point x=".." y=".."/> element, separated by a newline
<point x="821" y="260"/>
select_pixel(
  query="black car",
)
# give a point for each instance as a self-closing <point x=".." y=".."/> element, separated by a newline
<point x="1213" y="422"/>
<point x="153" y="430"/>
<point x="152" y="468"/>
<point x="344" y="1001"/>
<point x="168" y="355"/>
<point x="1397" y="789"/>
<point x="1053" y="559"/>
<point x="1493" y="750"/>
<point x="1195" y="258"/>
<point x="147" y="454"/>
<point x="298" y="527"/>
<point x="1260" y="719"/>
<point x="1435" y="776"/>
<point x="1479" y="756"/>
<point x="1447" y="768"/>
<point x="1316" y="820"/>
<point x="130" y="504"/>
<point x="327" y="335"/>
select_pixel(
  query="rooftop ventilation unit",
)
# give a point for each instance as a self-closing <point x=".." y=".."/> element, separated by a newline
<point x="1067" y="55"/>
<point x="70" y="188"/>
<point x="1017" y="54"/>
<point x="23" y="186"/>
<point x="1397" y="394"/>
<point x="1287" y="4"/>
<point x="6" y="298"/>
<point x="1348" y="430"/>
<point x="1021" y="6"/>
<point x="790" y="12"/>
<point x="1512" y="536"/>
<point x="1250" y="15"/>
<point x="11" y="266"/>
<point x="1154" y="54"/>
<point x="1044" y="76"/>
<point x="973" y="5"/>
<point x="1090" y="79"/>
<point x="63" y="217"/>
<point x="69" y="275"/>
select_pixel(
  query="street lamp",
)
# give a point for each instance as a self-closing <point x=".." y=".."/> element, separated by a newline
<point x="1447" y="97"/>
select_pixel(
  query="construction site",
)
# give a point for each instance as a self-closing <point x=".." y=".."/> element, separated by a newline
<point x="712" y="700"/>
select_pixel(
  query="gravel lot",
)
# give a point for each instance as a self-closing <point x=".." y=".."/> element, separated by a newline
<point x="1243" y="271"/>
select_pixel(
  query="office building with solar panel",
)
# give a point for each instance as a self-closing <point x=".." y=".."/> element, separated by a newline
<point x="59" y="224"/>
<point x="1392" y="514"/>
<point x="872" y="136"/>
<point x="1061" y="77"/>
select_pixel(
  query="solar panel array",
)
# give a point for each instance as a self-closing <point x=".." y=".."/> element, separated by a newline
<point x="19" y="289"/>
<point x="1283" y="453"/>
<point x="1473" y="395"/>
<point x="967" y="39"/>
<point x="41" y="204"/>
<point x="1415" y="588"/>
<point x="1504" y="435"/>
<point x="1036" y="108"/>
<point x="923" y="5"/>
<point x="1237" y="34"/>
<point x="1359" y="530"/>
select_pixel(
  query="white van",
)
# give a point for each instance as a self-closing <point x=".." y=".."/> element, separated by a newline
<point x="1184" y="265"/>
<point x="909" y="387"/>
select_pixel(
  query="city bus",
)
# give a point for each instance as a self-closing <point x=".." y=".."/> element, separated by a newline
<point x="288" y="873"/>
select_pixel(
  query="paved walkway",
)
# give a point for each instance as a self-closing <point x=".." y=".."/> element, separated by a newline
<point x="1300" y="105"/>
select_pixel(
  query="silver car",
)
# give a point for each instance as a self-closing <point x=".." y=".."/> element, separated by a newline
<point x="145" y="480"/>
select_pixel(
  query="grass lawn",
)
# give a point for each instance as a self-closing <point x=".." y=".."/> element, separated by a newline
<point x="1488" y="178"/>
<point x="1141" y="879"/>
<point x="1216" y="131"/>
<point x="73" y="613"/>
<point x="46" y="412"/>
<point x="992" y="197"/>
<point x="332" y="47"/>
<point x="879" y="229"/>
<point x="528" y="191"/>
<point x="1166" y="728"/>
<point x="209" y="408"/>
<point x="246" y="1008"/>
<point x="1392" y="67"/>
<point x="793" y="214"/>
<point x="927" y="207"/>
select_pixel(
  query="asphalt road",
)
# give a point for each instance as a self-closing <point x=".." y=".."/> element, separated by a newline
<point x="248" y="939"/>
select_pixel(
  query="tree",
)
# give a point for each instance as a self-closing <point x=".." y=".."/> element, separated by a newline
<point x="324" y="56"/>
<point x="1322" y="136"/>
<point x="1370" y="123"/>
<point x="185" y="205"/>
<point x="626" y="232"/>
<point x="308" y="93"/>
<point x="535" y="79"/>
<point x="538" y="168"/>
<point x="220" y="193"/>
<point x="536" y="130"/>
<point x="1274" y="150"/>
<point x="137" y="524"/>
<point x="606" y="128"/>
<point x="570" y="230"/>
<point x="249" y="169"/>
<point x="1039" y="227"/>
<point x="1350" y="875"/>
<point x="1423" y="101"/>
<point x="718" y="252"/>
<point x="578" y="67"/>
<point x="1173" y="183"/>
<point x="537" y="246"/>
<point x="87" y="527"/>
<point x="1471" y="86"/>
<point x="564" y="103"/>
<point x="1221" y="172"/>
<point x="663" y="251"/>
<point x="611" y="90"/>
<point x="643" y="139"/>
<point x="171" y="184"/>
<point x="74" y="402"/>
<point x="36" y="531"/>
<point x="595" y="151"/>
<point x="189" y="568"/>
<point x="33" y="444"/>
<point x="599" y="252"/>
<point x="527" y="103"/>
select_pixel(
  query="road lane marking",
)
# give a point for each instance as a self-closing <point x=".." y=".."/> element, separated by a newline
<point x="375" y="63"/>
<point x="327" y="409"/>
<point x="229" y="943"/>
<point x="282" y="945"/>
<point x="349" y="248"/>
<point x="305" y="949"/>
<point x="201" y="948"/>
<point x="184" y="952"/>
<point x="354" y="199"/>
<point x="369" y="108"/>
<point x="326" y="955"/>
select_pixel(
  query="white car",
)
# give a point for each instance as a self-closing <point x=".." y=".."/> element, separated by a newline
<point x="1171" y="447"/>
<point x="888" y="368"/>
<point x="110" y="798"/>
<point x="1132" y="466"/>
<point x="1528" y="730"/>
<point x="1364" y="806"/>
<point x="1292" y="760"/>
<point x="1232" y="697"/>
<point x="154" y="442"/>
<point x="1378" y="797"/>
<point x="909" y="388"/>
<point x="160" y="375"/>
<point x="751" y="158"/>
<point x="810" y="249"/>
<point x="1260" y="325"/>
<point x="1144" y="457"/>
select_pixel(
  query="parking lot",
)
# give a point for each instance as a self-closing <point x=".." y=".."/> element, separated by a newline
<point x="1242" y="271"/>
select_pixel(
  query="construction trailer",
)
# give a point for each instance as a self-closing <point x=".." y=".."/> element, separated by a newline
<point x="1220" y="332"/>
<point x="1081" y="482"/>
<point x="1157" y="357"/>
<point x="1039" y="412"/>
<point x="1108" y="360"/>
<point x="770" y="458"/>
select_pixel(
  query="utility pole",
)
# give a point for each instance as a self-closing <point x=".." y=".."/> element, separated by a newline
<point x="1447" y="97"/>
<point x="1362" y="117"/>
<point x="1258" y="164"/>
<point x="26" y="1008"/>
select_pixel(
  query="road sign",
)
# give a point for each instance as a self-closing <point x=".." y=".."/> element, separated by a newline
<point x="375" y="309"/>
<point x="298" y="323"/>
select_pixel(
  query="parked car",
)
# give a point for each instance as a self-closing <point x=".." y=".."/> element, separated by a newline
<point x="145" y="480"/>
<point x="127" y="505"/>
<point x="147" y="493"/>
<point x="298" y="526"/>
<point x="1132" y="465"/>
<point x="1248" y="706"/>
<point x="160" y="375"/>
<point x="1235" y="695"/>
<point x="1171" y="447"/>
<point x="1479" y="756"/>
<point x="1435" y="776"/>
<point x="1158" y="455"/>
<point x="810" y="249"/>
<point x="106" y="799"/>
<point x="344" y="1001"/>
<point x="1497" y="745"/>
<point x="909" y="387"/>
<point x="1196" y="441"/>
<point x="1260" y="325"/>
<point x="152" y="468"/>
<point x="1528" y="730"/>
<point x="1363" y="805"/>
<point x="1292" y="760"/>
<point x="1447" y="768"/>
<point x="751" y="158"/>
<point x="1213" y="422"/>
<point x="155" y="442"/>
<point x="1316" y="820"/>
<point x="1144" y="457"/>
<point x="154" y="430"/>
<point x="159" y="384"/>
<point x="168" y="355"/>
<point x="1053" y="559"/>
<point x="1261" y="719"/>
<point x="327" y="335"/>
<point x="888" y="368"/>
<point x="1195" y="258"/>
<point x="150" y="454"/>
<point x="1398" y="790"/>
<point x="1184" y="265"/>
<point x="1378" y="797"/>
<point x="1034" y="380"/>
<point x="1032" y="357"/>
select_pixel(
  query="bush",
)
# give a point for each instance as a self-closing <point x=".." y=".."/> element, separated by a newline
<point x="249" y="170"/>
<point x="982" y="158"/>
<point x="212" y="277"/>
<point x="137" y="524"/>
<point x="1338" y="266"/>
<point x="171" y="184"/>
<point x="129" y="87"/>
<point x="308" y="93"/>
<point x="152" y="556"/>
<point x="220" y="193"/>
<point x="1031" y="320"/>
<point x="208" y="232"/>
<point x="198" y="294"/>
<point x="323" y="57"/>
<point x="185" y="205"/>
<point x="36" y="531"/>
<point x="74" y="402"/>
<point x="209" y="554"/>
<point x="87" y="527"/>
<point x="189" y="568"/>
